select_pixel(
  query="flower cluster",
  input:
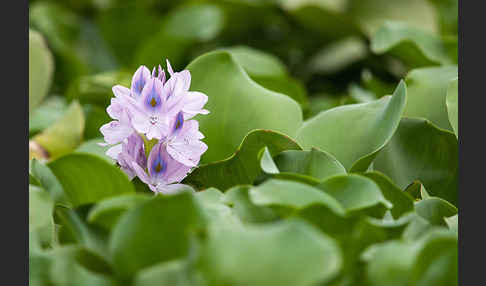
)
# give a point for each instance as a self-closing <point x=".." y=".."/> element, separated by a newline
<point x="153" y="118"/>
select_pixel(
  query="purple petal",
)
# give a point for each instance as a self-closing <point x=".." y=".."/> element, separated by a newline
<point x="114" y="132"/>
<point x="194" y="101"/>
<point x="169" y="67"/>
<point x="161" y="76"/>
<point x="141" y="174"/>
<point x="152" y="96"/>
<point x="140" y="79"/>
<point x="114" y="151"/>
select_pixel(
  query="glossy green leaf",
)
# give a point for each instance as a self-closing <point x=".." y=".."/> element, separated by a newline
<point x="309" y="166"/>
<point x="427" y="91"/>
<point x="434" y="210"/>
<point x="87" y="178"/>
<point x="413" y="46"/>
<point x="243" y="166"/>
<point x="355" y="133"/>
<point x="356" y="194"/>
<point x="257" y="63"/>
<point x="421" y="151"/>
<point x="452" y="105"/>
<point x="154" y="231"/>
<point x="237" y="105"/>
<point x="65" y="134"/>
<point x="41" y="68"/>
<point x="294" y="195"/>
<point x="107" y="212"/>
<point x="402" y="201"/>
<point x="41" y="208"/>
<point x="229" y="255"/>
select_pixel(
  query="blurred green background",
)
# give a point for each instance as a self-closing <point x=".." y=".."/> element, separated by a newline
<point x="321" y="53"/>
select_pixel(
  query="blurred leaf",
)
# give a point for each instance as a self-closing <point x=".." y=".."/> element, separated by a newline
<point x="452" y="223"/>
<point x="243" y="166"/>
<point x="65" y="134"/>
<point x="371" y="14"/>
<point x="421" y="151"/>
<point x="434" y="210"/>
<point x="338" y="55"/>
<point x="427" y="91"/>
<point x="41" y="207"/>
<point x="41" y="68"/>
<point x="372" y="124"/>
<point x="213" y="204"/>
<point x="92" y="147"/>
<point x="290" y="194"/>
<point x="229" y="255"/>
<point x="107" y="211"/>
<point x="166" y="273"/>
<point x="452" y="105"/>
<point x="447" y="12"/>
<point x="413" y="46"/>
<point x="153" y="232"/>
<point x="49" y="182"/>
<point x="97" y="89"/>
<point x="88" y="179"/>
<point x="180" y="30"/>
<point x="95" y="118"/>
<point x="237" y="105"/>
<point x="238" y="199"/>
<point x="402" y="201"/>
<point x="361" y="95"/>
<point x="46" y="114"/>
<point x="356" y="194"/>
<point x="307" y="166"/>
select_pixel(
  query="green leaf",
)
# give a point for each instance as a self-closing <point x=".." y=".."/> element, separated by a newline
<point x="413" y="46"/>
<point x="41" y="68"/>
<point x="434" y="210"/>
<point x="107" y="212"/>
<point x="215" y="208"/>
<point x="46" y="114"/>
<point x="452" y="223"/>
<point x="49" y="182"/>
<point x="421" y="151"/>
<point x="92" y="147"/>
<point x="452" y="105"/>
<point x="41" y="208"/>
<point x="338" y="130"/>
<point x="293" y="195"/>
<point x="88" y="179"/>
<point x="402" y="201"/>
<point x="268" y="71"/>
<point x="97" y="89"/>
<point x="311" y="166"/>
<point x="65" y="134"/>
<point x="229" y="255"/>
<point x="427" y="91"/>
<point x="166" y="273"/>
<point x="234" y="98"/>
<point x="155" y="231"/>
<point x="243" y="166"/>
<point x="238" y="199"/>
<point x="95" y="116"/>
<point x="436" y="264"/>
<point x="356" y="194"/>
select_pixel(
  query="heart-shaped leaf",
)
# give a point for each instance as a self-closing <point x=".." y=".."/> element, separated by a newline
<point x="41" y="68"/>
<point x="421" y="151"/>
<point x="88" y="179"/>
<point x="237" y="105"/>
<point x="243" y="166"/>
<point x="355" y="133"/>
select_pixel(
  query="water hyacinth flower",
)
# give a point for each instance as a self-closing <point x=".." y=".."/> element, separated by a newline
<point x="156" y="109"/>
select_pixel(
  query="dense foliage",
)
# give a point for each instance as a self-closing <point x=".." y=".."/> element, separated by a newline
<point x="332" y="144"/>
